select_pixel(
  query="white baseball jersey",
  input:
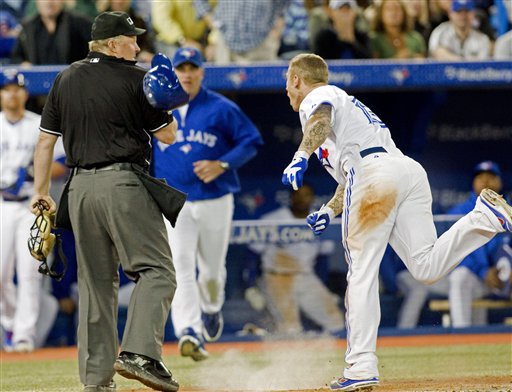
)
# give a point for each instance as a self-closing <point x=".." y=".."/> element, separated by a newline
<point x="387" y="199"/>
<point x="20" y="312"/>
<point x="17" y="149"/>
<point x="356" y="128"/>
<point x="303" y="253"/>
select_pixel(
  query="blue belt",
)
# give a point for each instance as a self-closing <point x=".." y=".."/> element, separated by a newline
<point x="371" y="150"/>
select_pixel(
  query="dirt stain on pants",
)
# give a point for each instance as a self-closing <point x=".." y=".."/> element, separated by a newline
<point x="376" y="206"/>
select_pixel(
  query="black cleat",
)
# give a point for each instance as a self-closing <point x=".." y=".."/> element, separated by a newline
<point x="148" y="371"/>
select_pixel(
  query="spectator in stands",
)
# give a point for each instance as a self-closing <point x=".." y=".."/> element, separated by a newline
<point x="87" y="8"/>
<point x="392" y="35"/>
<point x="343" y="40"/>
<point x="318" y="18"/>
<point x="475" y="277"/>
<point x="419" y="14"/>
<point x="289" y="279"/>
<point x="439" y="10"/>
<point x="503" y="48"/>
<point x="25" y="323"/>
<point x="145" y="41"/>
<point x="243" y="31"/>
<point x="295" y="37"/>
<point x="176" y="24"/>
<point x="457" y="39"/>
<point x="53" y="36"/>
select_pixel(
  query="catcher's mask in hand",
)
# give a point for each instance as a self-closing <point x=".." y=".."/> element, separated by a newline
<point x="41" y="242"/>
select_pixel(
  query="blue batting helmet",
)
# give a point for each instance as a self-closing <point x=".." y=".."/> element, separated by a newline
<point x="161" y="85"/>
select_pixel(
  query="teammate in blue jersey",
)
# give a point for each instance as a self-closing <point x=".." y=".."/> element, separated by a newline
<point x="214" y="138"/>
<point x="475" y="275"/>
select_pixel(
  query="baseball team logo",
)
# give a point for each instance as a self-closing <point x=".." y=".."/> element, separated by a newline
<point x="323" y="157"/>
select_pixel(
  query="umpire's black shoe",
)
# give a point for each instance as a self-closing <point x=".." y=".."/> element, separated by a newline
<point x="148" y="371"/>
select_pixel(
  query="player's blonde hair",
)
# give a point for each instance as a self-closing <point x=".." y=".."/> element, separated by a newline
<point x="310" y="67"/>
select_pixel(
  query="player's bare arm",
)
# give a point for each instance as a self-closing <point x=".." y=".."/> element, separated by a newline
<point x="317" y="129"/>
<point x="336" y="202"/>
<point x="43" y="158"/>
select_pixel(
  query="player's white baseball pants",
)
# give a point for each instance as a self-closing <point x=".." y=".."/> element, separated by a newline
<point x="465" y="286"/>
<point x="388" y="199"/>
<point x="19" y="304"/>
<point x="199" y="244"/>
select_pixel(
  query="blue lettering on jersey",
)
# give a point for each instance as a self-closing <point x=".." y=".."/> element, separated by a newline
<point x="372" y="117"/>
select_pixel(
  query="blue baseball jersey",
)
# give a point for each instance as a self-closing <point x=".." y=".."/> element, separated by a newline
<point x="214" y="128"/>
<point x="481" y="259"/>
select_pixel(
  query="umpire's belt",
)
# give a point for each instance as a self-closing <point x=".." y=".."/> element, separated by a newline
<point x="371" y="150"/>
<point x="114" y="166"/>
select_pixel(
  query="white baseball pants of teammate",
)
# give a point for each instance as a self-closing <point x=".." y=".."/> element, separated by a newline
<point x="20" y="305"/>
<point x="465" y="286"/>
<point x="199" y="244"/>
<point x="388" y="199"/>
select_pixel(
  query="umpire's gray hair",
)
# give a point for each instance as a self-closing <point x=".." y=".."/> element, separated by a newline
<point x="310" y="67"/>
<point x="101" y="45"/>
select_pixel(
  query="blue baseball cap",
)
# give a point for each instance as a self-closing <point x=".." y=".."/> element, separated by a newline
<point x="187" y="55"/>
<point x="11" y="76"/>
<point x="459" y="5"/>
<point x="487" y="167"/>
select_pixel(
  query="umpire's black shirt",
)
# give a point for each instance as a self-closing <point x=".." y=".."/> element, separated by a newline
<point x="99" y="108"/>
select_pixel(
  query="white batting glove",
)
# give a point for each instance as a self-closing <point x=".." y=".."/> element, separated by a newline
<point x="294" y="173"/>
<point x="319" y="220"/>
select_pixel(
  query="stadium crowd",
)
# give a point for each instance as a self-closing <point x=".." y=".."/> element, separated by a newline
<point x="56" y="31"/>
<point x="52" y="32"/>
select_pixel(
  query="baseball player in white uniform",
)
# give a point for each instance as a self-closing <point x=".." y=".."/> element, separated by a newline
<point x="289" y="279"/>
<point x="384" y="197"/>
<point x="21" y="304"/>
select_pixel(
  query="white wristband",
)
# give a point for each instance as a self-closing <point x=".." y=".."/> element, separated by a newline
<point x="329" y="211"/>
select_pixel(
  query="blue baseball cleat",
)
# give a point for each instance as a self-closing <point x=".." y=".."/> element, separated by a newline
<point x="346" y="384"/>
<point x="498" y="206"/>
<point x="7" y="344"/>
<point x="213" y="324"/>
<point x="192" y="345"/>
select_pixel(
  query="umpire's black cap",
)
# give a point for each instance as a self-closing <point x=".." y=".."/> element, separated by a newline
<point x="111" y="24"/>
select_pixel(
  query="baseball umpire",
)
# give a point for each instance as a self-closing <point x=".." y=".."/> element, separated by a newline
<point x="99" y="107"/>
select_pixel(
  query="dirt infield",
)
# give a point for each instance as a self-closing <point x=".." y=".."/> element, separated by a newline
<point x="446" y="383"/>
<point x="220" y="347"/>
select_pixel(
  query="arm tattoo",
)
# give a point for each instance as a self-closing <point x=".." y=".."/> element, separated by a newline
<point x="336" y="203"/>
<point x="317" y="129"/>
